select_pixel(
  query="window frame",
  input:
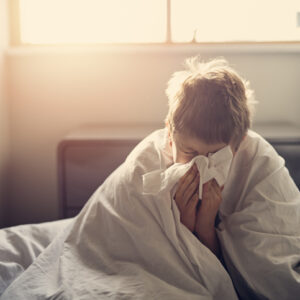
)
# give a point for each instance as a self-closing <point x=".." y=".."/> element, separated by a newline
<point x="15" y="35"/>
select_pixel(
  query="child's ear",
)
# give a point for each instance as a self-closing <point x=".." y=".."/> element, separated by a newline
<point x="169" y="133"/>
<point x="168" y="127"/>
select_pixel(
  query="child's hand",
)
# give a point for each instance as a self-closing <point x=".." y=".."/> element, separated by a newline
<point x="186" y="197"/>
<point x="207" y="212"/>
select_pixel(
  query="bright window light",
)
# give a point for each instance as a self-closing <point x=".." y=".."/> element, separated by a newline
<point x="92" y="21"/>
<point x="235" y="20"/>
<point x="145" y="21"/>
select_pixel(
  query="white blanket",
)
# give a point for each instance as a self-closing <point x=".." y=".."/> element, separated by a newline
<point x="126" y="245"/>
<point x="21" y="245"/>
<point x="260" y="224"/>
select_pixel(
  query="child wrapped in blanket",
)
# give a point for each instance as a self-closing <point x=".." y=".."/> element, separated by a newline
<point x="255" y="216"/>
<point x="209" y="109"/>
<point x="202" y="188"/>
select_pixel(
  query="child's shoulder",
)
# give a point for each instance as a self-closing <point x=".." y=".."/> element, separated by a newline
<point x="149" y="147"/>
<point x="255" y="165"/>
<point x="258" y="147"/>
<point x="258" y="156"/>
<point x="149" y="154"/>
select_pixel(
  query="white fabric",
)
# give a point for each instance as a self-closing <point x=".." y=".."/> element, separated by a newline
<point x="21" y="245"/>
<point x="126" y="245"/>
<point x="260" y="223"/>
<point x="216" y="166"/>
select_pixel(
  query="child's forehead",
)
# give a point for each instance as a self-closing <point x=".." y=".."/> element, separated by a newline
<point x="188" y="140"/>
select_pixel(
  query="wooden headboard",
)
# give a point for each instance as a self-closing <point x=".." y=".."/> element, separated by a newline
<point x="88" y="155"/>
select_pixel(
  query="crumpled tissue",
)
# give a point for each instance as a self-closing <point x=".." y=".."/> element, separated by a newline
<point x="215" y="165"/>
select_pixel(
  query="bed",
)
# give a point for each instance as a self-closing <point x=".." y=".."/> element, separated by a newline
<point x="21" y="244"/>
<point x="80" y="157"/>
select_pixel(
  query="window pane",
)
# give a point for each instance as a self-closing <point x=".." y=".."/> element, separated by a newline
<point x="92" y="21"/>
<point x="235" y="20"/>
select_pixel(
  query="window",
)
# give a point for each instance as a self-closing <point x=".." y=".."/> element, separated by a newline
<point x="92" y="21"/>
<point x="235" y="20"/>
<point x="154" y="21"/>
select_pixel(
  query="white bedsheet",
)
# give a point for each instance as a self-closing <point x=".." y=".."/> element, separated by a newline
<point x="21" y="245"/>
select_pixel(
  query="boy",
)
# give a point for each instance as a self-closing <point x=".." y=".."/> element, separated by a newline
<point x="209" y="108"/>
<point x="132" y="240"/>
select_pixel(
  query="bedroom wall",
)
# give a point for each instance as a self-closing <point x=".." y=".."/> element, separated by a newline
<point x="55" y="91"/>
<point x="4" y="125"/>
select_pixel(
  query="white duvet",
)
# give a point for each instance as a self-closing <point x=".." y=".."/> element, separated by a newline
<point x="260" y="228"/>
<point x="128" y="245"/>
<point x="21" y="245"/>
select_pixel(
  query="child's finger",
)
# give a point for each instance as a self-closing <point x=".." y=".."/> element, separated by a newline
<point x="184" y="177"/>
<point x="216" y="187"/>
<point x="186" y="180"/>
<point x="193" y="201"/>
<point x="184" y="192"/>
<point x="192" y="188"/>
<point x="214" y="183"/>
<point x="213" y="192"/>
<point x="206" y="187"/>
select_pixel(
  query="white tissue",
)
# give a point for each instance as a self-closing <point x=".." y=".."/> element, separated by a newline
<point x="216" y="166"/>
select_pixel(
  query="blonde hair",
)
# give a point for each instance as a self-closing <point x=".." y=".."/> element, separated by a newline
<point x="210" y="101"/>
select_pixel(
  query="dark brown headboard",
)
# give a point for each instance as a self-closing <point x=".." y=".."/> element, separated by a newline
<point x="88" y="156"/>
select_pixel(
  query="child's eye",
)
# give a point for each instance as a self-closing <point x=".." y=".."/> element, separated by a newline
<point x="191" y="153"/>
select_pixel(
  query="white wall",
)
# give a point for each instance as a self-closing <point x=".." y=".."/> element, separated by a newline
<point x="52" y="92"/>
<point x="4" y="121"/>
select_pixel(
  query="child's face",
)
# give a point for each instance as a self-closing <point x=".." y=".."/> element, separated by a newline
<point x="185" y="148"/>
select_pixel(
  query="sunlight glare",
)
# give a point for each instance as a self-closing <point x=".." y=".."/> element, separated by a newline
<point x="234" y="20"/>
<point x="92" y="21"/>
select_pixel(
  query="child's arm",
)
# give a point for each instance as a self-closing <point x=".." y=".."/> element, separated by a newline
<point x="209" y="238"/>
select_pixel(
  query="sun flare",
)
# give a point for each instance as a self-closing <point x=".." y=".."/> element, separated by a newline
<point x="92" y="21"/>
